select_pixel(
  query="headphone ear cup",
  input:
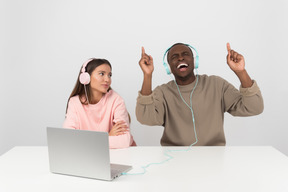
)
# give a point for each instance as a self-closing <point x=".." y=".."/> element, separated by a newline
<point x="167" y="68"/>
<point x="84" y="78"/>
<point x="196" y="62"/>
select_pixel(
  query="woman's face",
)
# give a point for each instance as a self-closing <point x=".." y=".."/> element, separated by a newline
<point x="101" y="79"/>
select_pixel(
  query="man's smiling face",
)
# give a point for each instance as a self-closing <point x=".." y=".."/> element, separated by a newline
<point x="181" y="61"/>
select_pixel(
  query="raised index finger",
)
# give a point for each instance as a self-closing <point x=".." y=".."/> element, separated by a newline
<point x="143" y="52"/>
<point x="228" y="47"/>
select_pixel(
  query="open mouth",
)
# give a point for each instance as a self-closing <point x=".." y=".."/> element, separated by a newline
<point x="182" y="66"/>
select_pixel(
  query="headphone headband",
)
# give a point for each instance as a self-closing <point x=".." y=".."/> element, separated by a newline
<point x="196" y="62"/>
<point x="85" y="64"/>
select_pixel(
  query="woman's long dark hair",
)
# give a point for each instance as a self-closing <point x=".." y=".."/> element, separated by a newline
<point x="79" y="88"/>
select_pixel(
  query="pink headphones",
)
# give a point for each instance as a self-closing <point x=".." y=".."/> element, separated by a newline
<point x="84" y="77"/>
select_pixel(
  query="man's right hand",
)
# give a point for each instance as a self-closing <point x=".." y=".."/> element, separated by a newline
<point x="146" y="63"/>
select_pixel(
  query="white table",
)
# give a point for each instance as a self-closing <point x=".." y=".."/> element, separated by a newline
<point x="233" y="169"/>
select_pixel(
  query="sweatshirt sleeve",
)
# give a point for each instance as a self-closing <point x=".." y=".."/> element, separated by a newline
<point x="121" y="114"/>
<point x="71" y="119"/>
<point x="248" y="103"/>
<point x="150" y="109"/>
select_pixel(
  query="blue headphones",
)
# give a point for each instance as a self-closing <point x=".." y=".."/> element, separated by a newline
<point x="167" y="67"/>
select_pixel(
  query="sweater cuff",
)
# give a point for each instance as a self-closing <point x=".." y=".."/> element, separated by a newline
<point x="145" y="99"/>
<point x="250" y="91"/>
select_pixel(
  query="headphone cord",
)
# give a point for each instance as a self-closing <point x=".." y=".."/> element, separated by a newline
<point x="86" y="94"/>
<point x="190" y="106"/>
<point x="166" y="152"/>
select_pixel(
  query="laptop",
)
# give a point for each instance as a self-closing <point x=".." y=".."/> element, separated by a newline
<point x="81" y="153"/>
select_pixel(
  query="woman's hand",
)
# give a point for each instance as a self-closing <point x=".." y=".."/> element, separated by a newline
<point x="119" y="128"/>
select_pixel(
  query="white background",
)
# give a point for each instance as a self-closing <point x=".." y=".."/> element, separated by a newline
<point x="44" y="43"/>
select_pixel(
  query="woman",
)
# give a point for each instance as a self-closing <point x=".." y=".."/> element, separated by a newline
<point x="93" y="105"/>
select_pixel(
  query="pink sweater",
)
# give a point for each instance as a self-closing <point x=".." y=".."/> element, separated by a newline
<point x="100" y="117"/>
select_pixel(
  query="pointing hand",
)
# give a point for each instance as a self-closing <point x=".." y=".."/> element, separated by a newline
<point x="235" y="60"/>
<point x="146" y="63"/>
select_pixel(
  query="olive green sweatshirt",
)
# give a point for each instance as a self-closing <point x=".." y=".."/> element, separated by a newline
<point x="212" y="97"/>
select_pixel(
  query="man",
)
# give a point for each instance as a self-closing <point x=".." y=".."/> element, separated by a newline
<point x="192" y="108"/>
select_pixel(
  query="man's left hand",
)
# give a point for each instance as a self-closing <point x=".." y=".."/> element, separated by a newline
<point x="235" y="60"/>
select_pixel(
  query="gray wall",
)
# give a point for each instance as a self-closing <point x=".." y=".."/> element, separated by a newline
<point x="44" y="43"/>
